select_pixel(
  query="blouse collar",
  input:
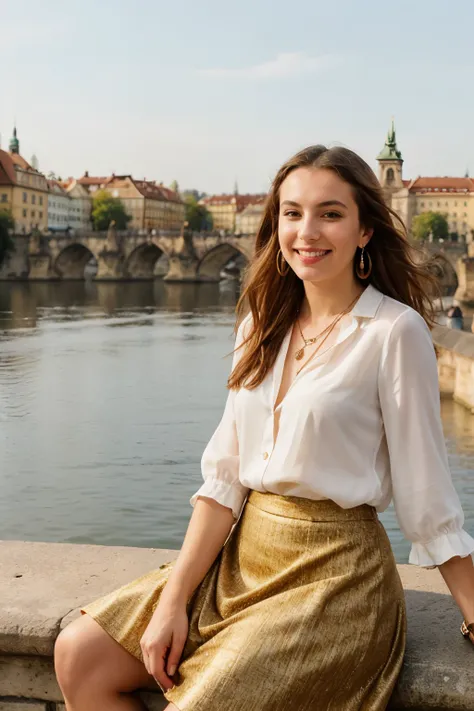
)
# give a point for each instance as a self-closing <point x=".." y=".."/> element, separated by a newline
<point x="368" y="303"/>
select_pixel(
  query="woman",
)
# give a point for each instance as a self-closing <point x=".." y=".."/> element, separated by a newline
<point x="285" y="594"/>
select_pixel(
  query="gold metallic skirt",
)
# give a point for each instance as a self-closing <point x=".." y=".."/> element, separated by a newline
<point x="303" y="610"/>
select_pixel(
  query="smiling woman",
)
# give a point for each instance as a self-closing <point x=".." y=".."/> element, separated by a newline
<point x="285" y="594"/>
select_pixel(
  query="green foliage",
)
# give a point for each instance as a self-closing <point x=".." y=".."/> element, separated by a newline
<point x="106" y="209"/>
<point x="198" y="216"/>
<point x="430" y="223"/>
<point x="6" y="242"/>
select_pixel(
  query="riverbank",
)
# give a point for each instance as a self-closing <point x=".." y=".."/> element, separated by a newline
<point x="439" y="665"/>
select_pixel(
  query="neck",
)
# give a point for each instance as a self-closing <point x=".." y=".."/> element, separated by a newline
<point x="326" y="300"/>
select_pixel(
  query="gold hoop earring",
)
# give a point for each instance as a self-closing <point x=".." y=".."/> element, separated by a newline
<point x="360" y="269"/>
<point x="279" y="270"/>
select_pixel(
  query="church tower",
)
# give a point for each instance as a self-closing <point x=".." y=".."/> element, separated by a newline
<point x="390" y="161"/>
<point x="14" y="146"/>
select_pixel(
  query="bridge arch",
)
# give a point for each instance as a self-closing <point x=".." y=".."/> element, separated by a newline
<point x="142" y="261"/>
<point x="213" y="262"/>
<point x="72" y="261"/>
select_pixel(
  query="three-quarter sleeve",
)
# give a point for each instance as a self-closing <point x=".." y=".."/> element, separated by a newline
<point x="426" y="504"/>
<point x="220" y="460"/>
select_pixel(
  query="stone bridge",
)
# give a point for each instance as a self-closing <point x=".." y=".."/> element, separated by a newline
<point x="188" y="256"/>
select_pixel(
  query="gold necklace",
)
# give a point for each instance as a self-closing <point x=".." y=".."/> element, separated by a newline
<point x="309" y="341"/>
<point x="331" y="327"/>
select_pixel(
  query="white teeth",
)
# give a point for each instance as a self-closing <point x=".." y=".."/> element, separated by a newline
<point x="312" y="254"/>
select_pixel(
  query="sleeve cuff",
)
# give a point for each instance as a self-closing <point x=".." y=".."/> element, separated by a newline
<point x="441" y="549"/>
<point x="231" y="495"/>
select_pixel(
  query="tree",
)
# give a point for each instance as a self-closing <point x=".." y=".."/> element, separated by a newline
<point x="430" y="223"/>
<point x="106" y="208"/>
<point x="198" y="216"/>
<point x="6" y="242"/>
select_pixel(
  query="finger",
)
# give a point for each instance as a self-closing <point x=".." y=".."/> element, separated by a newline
<point x="157" y="665"/>
<point x="177" y="646"/>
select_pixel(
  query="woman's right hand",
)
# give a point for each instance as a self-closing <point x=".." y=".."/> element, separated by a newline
<point x="163" y="641"/>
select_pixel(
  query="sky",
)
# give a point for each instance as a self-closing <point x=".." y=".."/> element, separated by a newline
<point x="209" y="93"/>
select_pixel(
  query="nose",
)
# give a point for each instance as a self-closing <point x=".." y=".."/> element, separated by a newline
<point x="309" y="228"/>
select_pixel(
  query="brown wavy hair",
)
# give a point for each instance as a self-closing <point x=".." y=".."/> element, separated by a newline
<point x="399" y="270"/>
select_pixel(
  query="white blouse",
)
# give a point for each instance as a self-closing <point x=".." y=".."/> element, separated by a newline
<point x="360" y="424"/>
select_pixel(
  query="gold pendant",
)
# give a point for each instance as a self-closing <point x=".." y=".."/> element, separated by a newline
<point x="299" y="354"/>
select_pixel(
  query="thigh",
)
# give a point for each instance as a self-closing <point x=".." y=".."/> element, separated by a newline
<point x="85" y="651"/>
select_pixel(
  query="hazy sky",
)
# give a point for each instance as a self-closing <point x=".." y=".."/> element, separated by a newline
<point x="209" y="92"/>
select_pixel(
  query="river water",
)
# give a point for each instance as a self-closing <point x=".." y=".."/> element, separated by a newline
<point x="108" y="395"/>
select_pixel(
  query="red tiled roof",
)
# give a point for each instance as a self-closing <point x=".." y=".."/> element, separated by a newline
<point x="441" y="185"/>
<point x="406" y="183"/>
<point x="91" y="180"/>
<point x="7" y="169"/>
<point x="19" y="161"/>
<point x="52" y="184"/>
<point x="241" y="201"/>
<point x="151" y="190"/>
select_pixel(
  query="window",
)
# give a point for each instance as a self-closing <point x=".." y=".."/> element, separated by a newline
<point x="32" y="213"/>
<point x="40" y="214"/>
<point x="465" y="204"/>
<point x="465" y="214"/>
<point x="41" y="200"/>
<point x="25" y="197"/>
<point x="24" y="213"/>
<point x="438" y="204"/>
<point x="4" y="197"/>
<point x="33" y="199"/>
<point x="422" y="204"/>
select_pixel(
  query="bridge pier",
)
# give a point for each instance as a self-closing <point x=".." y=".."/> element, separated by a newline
<point x="110" y="265"/>
<point x="40" y="268"/>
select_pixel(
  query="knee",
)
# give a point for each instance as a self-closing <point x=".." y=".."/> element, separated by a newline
<point x="72" y="656"/>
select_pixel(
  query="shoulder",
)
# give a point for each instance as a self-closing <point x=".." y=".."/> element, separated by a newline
<point x="398" y="319"/>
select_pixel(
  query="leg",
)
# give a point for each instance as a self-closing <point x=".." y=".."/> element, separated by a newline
<point x="95" y="672"/>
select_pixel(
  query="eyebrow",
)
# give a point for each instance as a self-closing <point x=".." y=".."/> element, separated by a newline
<point x="326" y="203"/>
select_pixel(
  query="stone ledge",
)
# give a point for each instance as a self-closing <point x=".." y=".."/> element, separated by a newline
<point x="58" y="578"/>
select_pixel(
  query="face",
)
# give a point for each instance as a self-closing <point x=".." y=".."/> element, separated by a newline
<point x="318" y="226"/>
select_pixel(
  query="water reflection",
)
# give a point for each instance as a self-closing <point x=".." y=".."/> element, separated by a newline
<point x="23" y="304"/>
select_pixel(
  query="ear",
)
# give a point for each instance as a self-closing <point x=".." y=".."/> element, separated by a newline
<point x="366" y="237"/>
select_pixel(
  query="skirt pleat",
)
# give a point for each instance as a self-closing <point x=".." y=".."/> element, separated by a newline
<point x="303" y="610"/>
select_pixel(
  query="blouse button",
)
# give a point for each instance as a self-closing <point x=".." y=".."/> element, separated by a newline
<point x="265" y="455"/>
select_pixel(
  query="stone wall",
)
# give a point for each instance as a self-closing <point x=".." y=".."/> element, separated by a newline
<point x="43" y="585"/>
<point x="455" y="351"/>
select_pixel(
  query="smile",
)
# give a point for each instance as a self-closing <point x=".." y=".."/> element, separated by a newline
<point x="313" y="256"/>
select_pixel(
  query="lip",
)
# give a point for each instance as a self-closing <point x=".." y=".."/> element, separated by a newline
<point x="311" y="260"/>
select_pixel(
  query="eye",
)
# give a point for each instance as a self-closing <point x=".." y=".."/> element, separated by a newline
<point x="290" y="213"/>
<point x="332" y="215"/>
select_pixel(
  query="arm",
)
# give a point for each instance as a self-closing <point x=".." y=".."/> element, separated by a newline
<point x="426" y="503"/>
<point x="207" y="532"/>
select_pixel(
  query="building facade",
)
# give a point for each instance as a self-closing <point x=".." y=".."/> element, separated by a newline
<point x="80" y="205"/>
<point x="23" y="190"/>
<point x="450" y="196"/>
<point x="248" y="221"/>
<point x="226" y="208"/>
<point x="58" y="207"/>
<point x="151" y="206"/>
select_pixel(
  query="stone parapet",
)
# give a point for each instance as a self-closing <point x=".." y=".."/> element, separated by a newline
<point x="455" y="350"/>
<point x="43" y="586"/>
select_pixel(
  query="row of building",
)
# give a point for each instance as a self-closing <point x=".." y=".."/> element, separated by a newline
<point x="36" y="202"/>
